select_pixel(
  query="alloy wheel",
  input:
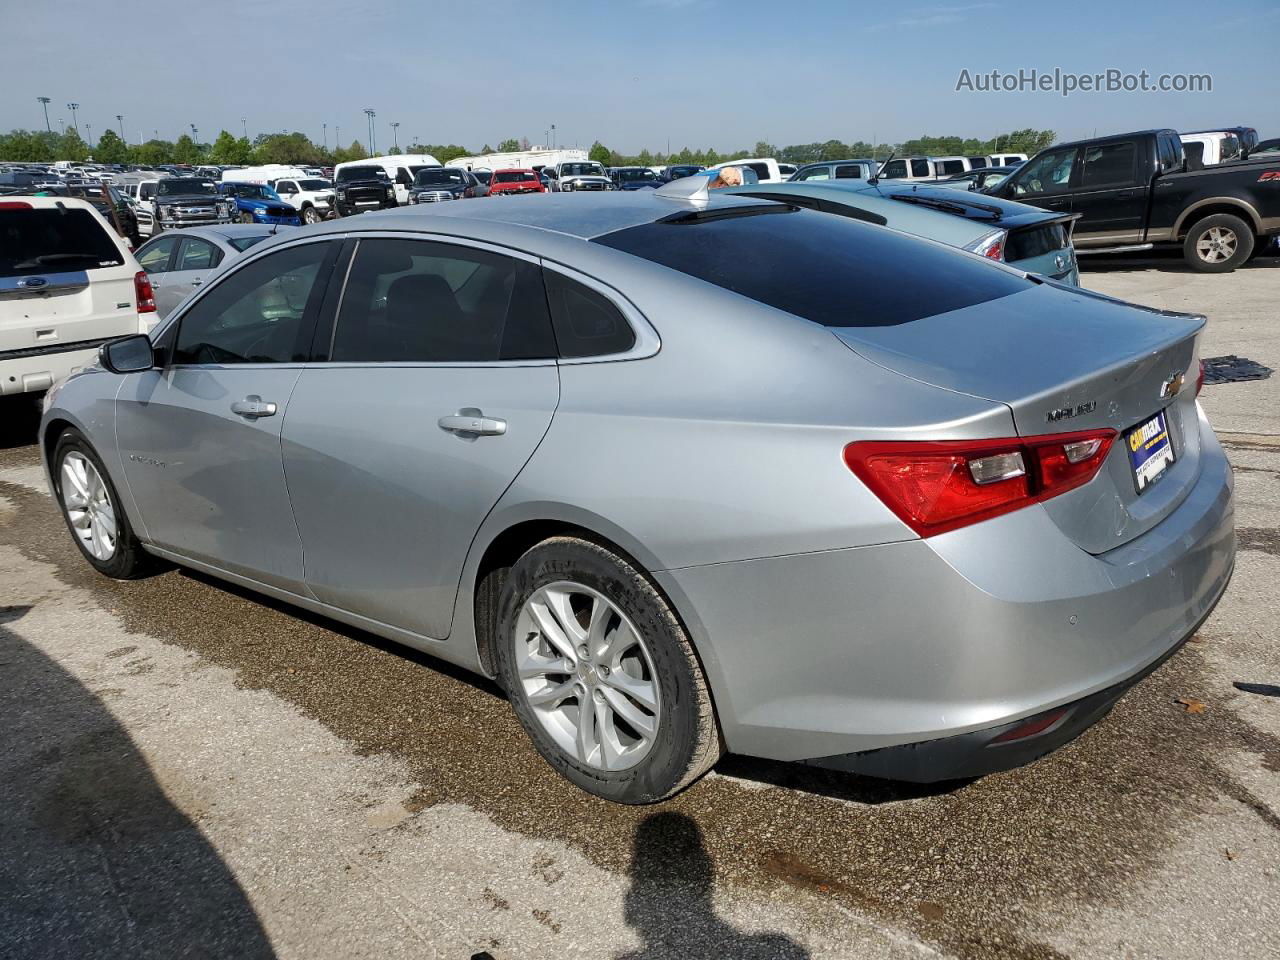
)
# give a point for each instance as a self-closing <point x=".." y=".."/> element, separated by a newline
<point x="88" y="505"/>
<point x="1217" y="244"/>
<point x="586" y="673"/>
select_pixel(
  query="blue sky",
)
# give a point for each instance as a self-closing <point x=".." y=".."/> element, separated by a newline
<point x="699" y="73"/>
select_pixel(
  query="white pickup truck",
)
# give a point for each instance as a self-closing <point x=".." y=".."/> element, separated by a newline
<point x="311" y="196"/>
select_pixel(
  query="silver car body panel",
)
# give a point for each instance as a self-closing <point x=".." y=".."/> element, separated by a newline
<point x="713" y="459"/>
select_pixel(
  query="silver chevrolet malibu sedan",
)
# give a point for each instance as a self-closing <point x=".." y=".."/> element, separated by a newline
<point x="686" y="474"/>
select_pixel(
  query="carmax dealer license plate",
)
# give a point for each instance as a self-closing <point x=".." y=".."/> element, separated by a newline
<point x="1150" y="451"/>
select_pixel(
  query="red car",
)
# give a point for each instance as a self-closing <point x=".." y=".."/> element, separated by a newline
<point x="515" y="181"/>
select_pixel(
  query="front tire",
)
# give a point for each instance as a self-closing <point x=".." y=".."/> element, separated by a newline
<point x="602" y="675"/>
<point x="1218" y="244"/>
<point x="92" y="510"/>
<point x="310" y="215"/>
<point x="246" y="216"/>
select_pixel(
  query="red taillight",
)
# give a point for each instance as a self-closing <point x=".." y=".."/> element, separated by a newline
<point x="1031" y="727"/>
<point x="14" y="205"/>
<point x="995" y="251"/>
<point x="1200" y="379"/>
<point x="145" y="295"/>
<point x="934" y="487"/>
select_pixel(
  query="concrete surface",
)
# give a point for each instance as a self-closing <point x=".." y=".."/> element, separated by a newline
<point x="191" y="771"/>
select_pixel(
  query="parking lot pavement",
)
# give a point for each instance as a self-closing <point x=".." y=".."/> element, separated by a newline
<point x="189" y="770"/>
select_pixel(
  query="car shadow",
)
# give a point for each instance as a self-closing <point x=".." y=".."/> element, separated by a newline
<point x="19" y="421"/>
<point x="833" y="784"/>
<point x="95" y="860"/>
<point x="669" y="903"/>
<point x="1165" y="261"/>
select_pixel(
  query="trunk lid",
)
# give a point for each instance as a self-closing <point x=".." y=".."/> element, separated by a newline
<point x="1064" y="359"/>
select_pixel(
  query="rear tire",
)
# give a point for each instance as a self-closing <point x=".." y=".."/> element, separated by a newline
<point x="93" y="513"/>
<point x="643" y="745"/>
<point x="1218" y="244"/>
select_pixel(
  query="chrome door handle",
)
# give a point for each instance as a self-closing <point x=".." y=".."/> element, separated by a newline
<point x="252" y="407"/>
<point x="469" y="421"/>
<point x="196" y="282"/>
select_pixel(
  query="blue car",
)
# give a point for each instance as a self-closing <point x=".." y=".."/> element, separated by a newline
<point x="256" y="203"/>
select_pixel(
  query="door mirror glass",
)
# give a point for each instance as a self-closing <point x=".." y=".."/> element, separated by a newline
<point x="128" y="354"/>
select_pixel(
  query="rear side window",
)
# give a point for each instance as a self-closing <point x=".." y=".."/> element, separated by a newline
<point x="417" y="301"/>
<point x="849" y="171"/>
<point x="1109" y="165"/>
<point x="587" y="324"/>
<point x="834" y="271"/>
<point x="949" y="167"/>
<point x="54" y="240"/>
<point x="920" y="168"/>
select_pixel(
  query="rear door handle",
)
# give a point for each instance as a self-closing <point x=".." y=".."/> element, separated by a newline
<point x="470" y="421"/>
<point x="252" y="407"/>
<point x="196" y="282"/>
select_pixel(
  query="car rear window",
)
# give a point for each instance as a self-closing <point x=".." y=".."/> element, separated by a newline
<point x="244" y="243"/>
<point x="53" y="240"/>
<point x="832" y="270"/>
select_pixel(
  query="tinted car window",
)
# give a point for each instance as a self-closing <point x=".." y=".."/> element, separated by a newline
<point x="894" y="169"/>
<point x="849" y="171"/>
<point x="920" y="168"/>
<point x="244" y="243"/>
<point x="48" y="240"/>
<point x="587" y="323"/>
<point x="419" y="301"/>
<point x="361" y="173"/>
<point x="835" y="271"/>
<point x="1108" y="165"/>
<point x="154" y="258"/>
<point x="949" y="167"/>
<point x="257" y="314"/>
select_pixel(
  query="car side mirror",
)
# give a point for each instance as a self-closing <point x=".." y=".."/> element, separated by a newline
<point x="131" y="354"/>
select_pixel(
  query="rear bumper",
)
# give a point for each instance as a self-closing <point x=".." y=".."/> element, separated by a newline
<point x="983" y="752"/>
<point x="836" y="652"/>
<point x="31" y="371"/>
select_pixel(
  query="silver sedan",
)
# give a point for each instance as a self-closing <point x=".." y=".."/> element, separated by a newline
<point x="178" y="262"/>
<point x="687" y="474"/>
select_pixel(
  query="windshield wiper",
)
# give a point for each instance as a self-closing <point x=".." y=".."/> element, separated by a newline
<point x="995" y="213"/>
<point x="49" y="258"/>
<point x="727" y="213"/>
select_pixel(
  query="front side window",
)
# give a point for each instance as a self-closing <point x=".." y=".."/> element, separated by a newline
<point x="817" y="173"/>
<point x="895" y="170"/>
<point x="849" y="171"/>
<point x="1048" y="173"/>
<point x="1109" y="165"/>
<point x="258" y="314"/>
<point x="418" y="301"/>
<point x="155" y="258"/>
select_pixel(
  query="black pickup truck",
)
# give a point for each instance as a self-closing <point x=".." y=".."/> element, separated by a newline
<point x="1135" y="191"/>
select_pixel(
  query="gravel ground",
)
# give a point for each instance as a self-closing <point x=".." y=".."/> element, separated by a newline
<point x="192" y="771"/>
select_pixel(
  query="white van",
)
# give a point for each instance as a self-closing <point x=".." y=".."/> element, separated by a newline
<point x="1007" y="159"/>
<point x="53" y="318"/>
<point x="401" y="168"/>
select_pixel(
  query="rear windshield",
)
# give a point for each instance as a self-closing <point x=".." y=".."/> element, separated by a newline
<point x="244" y="243"/>
<point x="50" y="240"/>
<point x="362" y="173"/>
<point x="633" y="173"/>
<point x="514" y="176"/>
<point x="832" y="270"/>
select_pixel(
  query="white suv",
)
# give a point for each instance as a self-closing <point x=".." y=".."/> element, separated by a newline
<point x="68" y="284"/>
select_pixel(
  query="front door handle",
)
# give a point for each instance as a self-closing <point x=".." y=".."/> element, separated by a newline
<point x="252" y="407"/>
<point x="471" y="422"/>
<point x="196" y="282"/>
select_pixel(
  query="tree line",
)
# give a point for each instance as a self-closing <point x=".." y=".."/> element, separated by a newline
<point x="40" y="146"/>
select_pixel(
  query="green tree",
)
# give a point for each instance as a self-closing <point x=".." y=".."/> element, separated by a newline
<point x="395" y="151"/>
<point x="110" y="148"/>
<point x="228" y="148"/>
<point x="509" y="146"/>
<point x="73" y="146"/>
<point x="186" y="150"/>
<point x="765" y="149"/>
<point x="152" y="152"/>
<point x="645" y="159"/>
<point x="288" y="148"/>
<point x="28" y="146"/>
<point x="598" y="152"/>
<point x="444" y="152"/>
<point x="354" y="152"/>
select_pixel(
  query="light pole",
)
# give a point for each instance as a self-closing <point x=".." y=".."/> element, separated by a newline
<point x="244" y="127"/>
<point x="73" y="107"/>
<point x="395" y="135"/>
<point x="195" y="134"/>
<point x="326" y="136"/>
<point x="370" y="113"/>
<point x="120" y="120"/>
<point x="62" y="126"/>
<point x="44" y="102"/>
<point x="553" y="136"/>
<point x="88" y="131"/>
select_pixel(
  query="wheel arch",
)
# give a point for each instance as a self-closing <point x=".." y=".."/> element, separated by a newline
<point x="503" y="541"/>
<point x="1232" y="206"/>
